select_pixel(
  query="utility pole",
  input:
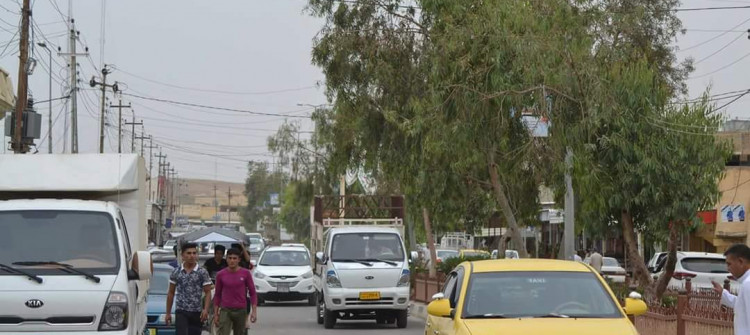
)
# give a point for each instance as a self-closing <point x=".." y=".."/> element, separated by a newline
<point x="120" y="106"/>
<point x="229" y="208"/>
<point x="73" y="37"/>
<point x="143" y="138"/>
<point x="103" y="85"/>
<point x="158" y="178"/>
<point x="151" y="148"/>
<point x="49" y="119"/>
<point x="132" y="140"/>
<point x="17" y="142"/>
<point x="569" y="207"/>
<point x="216" y="206"/>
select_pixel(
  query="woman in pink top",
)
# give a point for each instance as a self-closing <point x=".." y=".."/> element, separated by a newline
<point x="230" y="299"/>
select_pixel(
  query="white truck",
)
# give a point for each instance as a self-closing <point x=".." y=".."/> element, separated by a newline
<point x="362" y="268"/>
<point x="73" y="236"/>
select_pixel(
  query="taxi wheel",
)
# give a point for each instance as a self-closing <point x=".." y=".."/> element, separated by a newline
<point x="401" y="319"/>
<point x="329" y="319"/>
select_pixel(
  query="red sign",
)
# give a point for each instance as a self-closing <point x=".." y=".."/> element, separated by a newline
<point x="708" y="217"/>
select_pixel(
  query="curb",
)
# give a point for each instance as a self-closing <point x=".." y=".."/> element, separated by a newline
<point x="418" y="310"/>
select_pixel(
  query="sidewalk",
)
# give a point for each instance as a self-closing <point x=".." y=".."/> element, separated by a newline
<point x="418" y="310"/>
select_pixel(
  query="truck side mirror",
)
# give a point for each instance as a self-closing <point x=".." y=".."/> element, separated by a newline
<point x="320" y="257"/>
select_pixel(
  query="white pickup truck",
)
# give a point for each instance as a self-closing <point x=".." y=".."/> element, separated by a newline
<point x="363" y="273"/>
<point x="73" y="239"/>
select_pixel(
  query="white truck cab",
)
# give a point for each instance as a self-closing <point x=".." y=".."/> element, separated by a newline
<point x="363" y="273"/>
<point x="73" y="257"/>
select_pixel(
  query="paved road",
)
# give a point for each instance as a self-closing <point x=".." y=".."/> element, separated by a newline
<point x="293" y="318"/>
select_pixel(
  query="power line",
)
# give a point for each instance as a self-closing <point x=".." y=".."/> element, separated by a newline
<point x="715" y="37"/>
<point x="196" y="120"/>
<point x="216" y="91"/>
<point x="213" y="107"/>
<point x="696" y="9"/>
<point x="720" y="50"/>
<point x="721" y="68"/>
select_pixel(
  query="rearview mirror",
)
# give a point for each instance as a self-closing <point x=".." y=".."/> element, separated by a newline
<point x="440" y="308"/>
<point x="320" y="257"/>
<point x="634" y="305"/>
<point x="142" y="267"/>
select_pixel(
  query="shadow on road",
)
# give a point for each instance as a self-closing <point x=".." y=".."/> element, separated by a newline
<point x="286" y="304"/>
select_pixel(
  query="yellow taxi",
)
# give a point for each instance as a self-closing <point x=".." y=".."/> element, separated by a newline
<point x="529" y="297"/>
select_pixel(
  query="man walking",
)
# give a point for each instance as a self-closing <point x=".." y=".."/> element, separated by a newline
<point x="738" y="264"/>
<point x="233" y="285"/>
<point x="216" y="264"/>
<point x="596" y="260"/>
<point x="189" y="281"/>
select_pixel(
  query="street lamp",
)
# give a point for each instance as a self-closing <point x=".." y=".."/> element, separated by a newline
<point x="49" y="120"/>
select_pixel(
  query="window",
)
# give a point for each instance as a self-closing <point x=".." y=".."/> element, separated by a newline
<point x="125" y="237"/>
<point x="455" y="295"/>
<point x="363" y="246"/>
<point x="450" y="284"/>
<point x="610" y="262"/>
<point x="85" y="240"/>
<point x="705" y="265"/>
<point x="285" y="258"/>
<point x="531" y="294"/>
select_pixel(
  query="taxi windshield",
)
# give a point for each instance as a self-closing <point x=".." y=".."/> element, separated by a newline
<point x="538" y="294"/>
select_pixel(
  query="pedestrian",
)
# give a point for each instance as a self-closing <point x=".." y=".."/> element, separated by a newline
<point x="189" y="281"/>
<point x="577" y="257"/>
<point x="245" y="259"/>
<point x="738" y="264"/>
<point x="173" y="262"/>
<point x="216" y="264"/>
<point x="233" y="285"/>
<point x="596" y="260"/>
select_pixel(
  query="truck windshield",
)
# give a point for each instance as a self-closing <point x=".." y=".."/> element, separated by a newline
<point x="84" y="240"/>
<point x="367" y="246"/>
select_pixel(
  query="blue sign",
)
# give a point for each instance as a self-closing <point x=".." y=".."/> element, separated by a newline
<point x="168" y="223"/>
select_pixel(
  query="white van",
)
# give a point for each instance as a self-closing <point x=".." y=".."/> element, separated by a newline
<point x="363" y="273"/>
<point x="70" y="264"/>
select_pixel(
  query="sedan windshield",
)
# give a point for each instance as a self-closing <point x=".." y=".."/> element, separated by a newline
<point x="83" y="240"/>
<point x="159" y="283"/>
<point x="285" y="258"/>
<point x="538" y="294"/>
<point x="611" y="262"/>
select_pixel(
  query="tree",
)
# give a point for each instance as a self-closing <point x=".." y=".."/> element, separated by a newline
<point x="259" y="185"/>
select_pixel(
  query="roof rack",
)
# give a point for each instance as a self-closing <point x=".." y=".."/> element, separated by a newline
<point x="338" y="222"/>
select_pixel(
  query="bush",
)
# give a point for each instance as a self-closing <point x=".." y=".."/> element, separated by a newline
<point x="449" y="264"/>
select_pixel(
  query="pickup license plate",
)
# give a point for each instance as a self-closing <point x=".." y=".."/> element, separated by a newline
<point x="282" y="288"/>
<point x="151" y="331"/>
<point x="369" y="295"/>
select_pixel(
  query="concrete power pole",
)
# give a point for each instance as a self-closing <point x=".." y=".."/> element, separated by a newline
<point x="142" y="137"/>
<point x="17" y="142"/>
<point x="151" y="148"/>
<point x="229" y="207"/>
<point x="103" y="85"/>
<point x="569" y="207"/>
<point x="120" y="106"/>
<point x="132" y="134"/>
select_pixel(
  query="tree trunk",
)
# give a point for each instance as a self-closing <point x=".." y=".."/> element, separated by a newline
<point x="661" y="284"/>
<point x="502" y="200"/>
<point x="503" y="244"/>
<point x="430" y="242"/>
<point x="640" y="272"/>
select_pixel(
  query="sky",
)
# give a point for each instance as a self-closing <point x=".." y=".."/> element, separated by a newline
<point x="251" y="56"/>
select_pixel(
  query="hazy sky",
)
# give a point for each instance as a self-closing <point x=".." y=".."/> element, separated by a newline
<point x="260" y="48"/>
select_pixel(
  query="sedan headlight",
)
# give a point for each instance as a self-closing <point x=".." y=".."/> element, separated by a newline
<point x="259" y="275"/>
<point x="307" y="275"/>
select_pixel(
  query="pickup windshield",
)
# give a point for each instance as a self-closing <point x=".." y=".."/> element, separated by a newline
<point x="367" y="246"/>
<point x="84" y="240"/>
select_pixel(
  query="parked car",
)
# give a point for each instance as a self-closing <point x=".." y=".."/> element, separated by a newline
<point x="509" y="254"/>
<point x="169" y="245"/>
<point x="654" y="262"/>
<point x="701" y="268"/>
<point x="157" y="301"/>
<point x="464" y="253"/>
<point x="441" y="254"/>
<point x="284" y="274"/>
<point x="529" y="296"/>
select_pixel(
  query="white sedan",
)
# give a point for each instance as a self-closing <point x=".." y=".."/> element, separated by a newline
<point x="611" y="269"/>
<point x="284" y="274"/>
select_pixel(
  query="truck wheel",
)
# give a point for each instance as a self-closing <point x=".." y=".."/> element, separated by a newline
<point x="319" y="310"/>
<point x="329" y="319"/>
<point x="312" y="300"/>
<point x="401" y="319"/>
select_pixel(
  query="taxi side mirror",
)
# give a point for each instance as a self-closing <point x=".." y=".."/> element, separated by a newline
<point x="440" y="308"/>
<point x="634" y="305"/>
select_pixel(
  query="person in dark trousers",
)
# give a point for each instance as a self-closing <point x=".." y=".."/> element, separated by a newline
<point x="233" y="285"/>
<point x="173" y="262"/>
<point x="190" y="282"/>
<point x="218" y="263"/>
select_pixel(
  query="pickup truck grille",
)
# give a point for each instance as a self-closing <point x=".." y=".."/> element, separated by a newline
<point x="57" y="320"/>
<point x="358" y="302"/>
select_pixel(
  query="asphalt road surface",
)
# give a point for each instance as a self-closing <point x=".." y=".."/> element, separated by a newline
<point x="298" y="318"/>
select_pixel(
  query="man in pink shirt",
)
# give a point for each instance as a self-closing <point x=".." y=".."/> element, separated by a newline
<point x="230" y="298"/>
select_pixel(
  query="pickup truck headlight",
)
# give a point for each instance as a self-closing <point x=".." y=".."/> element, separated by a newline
<point x="115" y="313"/>
<point x="332" y="280"/>
<point x="404" y="280"/>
